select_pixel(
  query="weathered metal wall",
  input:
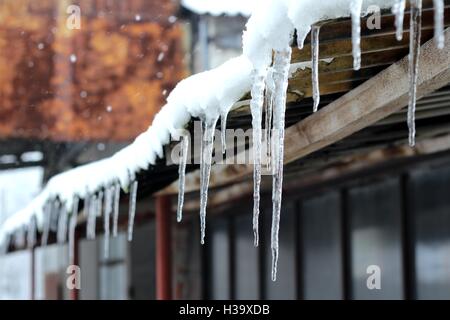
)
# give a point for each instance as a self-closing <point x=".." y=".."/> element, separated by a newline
<point x="128" y="56"/>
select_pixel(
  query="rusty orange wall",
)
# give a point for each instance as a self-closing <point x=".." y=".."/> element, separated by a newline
<point x="44" y="95"/>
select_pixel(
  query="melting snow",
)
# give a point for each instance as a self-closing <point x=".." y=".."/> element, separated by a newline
<point x="211" y="95"/>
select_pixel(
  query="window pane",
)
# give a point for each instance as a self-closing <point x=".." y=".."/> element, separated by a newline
<point x="431" y="208"/>
<point x="50" y="270"/>
<point x="375" y="222"/>
<point x="219" y="253"/>
<point x="113" y="282"/>
<point x="321" y="247"/>
<point x="143" y="262"/>
<point x="285" y="286"/>
<point x="247" y="275"/>
<point x="89" y="254"/>
<point x="15" y="280"/>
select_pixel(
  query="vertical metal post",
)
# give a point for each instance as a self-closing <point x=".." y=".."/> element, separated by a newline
<point x="163" y="249"/>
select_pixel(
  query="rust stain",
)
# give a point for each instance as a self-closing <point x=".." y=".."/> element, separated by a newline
<point x="123" y="68"/>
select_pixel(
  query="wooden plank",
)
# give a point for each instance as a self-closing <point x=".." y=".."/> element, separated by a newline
<point x="330" y="169"/>
<point x="372" y="101"/>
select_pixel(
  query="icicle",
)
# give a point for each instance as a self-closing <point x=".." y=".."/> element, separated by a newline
<point x="398" y="10"/>
<point x="31" y="233"/>
<point x="88" y="214"/>
<point x="92" y="217"/>
<point x="301" y="36"/>
<point x="355" y="9"/>
<point x="54" y="214"/>
<point x="223" y="127"/>
<point x="61" y="235"/>
<point x="132" y="209"/>
<point x="19" y="238"/>
<point x="116" y="209"/>
<point x="439" y="23"/>
<point x="46" y="227"/>
<point x="72" y="228"/>
<point x="97" y="212"/>
<point x="256" y="105"/>
<point x="182" y="174"/>
<point x="270" y="87"/>
<point x="281" y="66"/>
<point x="107" y="217"/>
<point x="315" y="31"/>
<point x="208" y="128"/>
<point x="414" y="53"/>
<point x="87" y="205"/>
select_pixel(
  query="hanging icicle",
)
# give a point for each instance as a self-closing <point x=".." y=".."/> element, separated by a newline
<point x="31" y="233"/>
<point x="61" y="234"/>
<point x="92" y="217"/>
<point x="270" y="87"/>
<point x="132" y="209"/>
<point x="282" y="61"/>
<point x="398" y="10"/>
<point x="87" y="205"/>
<point x="256" y="106"/>
<point x="315" y="31"/>
<point x="439" y="23"/>
<point x="116" y="209"/>
<point x="72" y="228"/>
<point x="106" y="219"/>
<point x="184" y="149"/>
<point x="46" y="227"/>
<point x="19" y="237"/>
<point x="355" y="9"/>
<point x="207" y="145"/>
<point x="223" y="133"/>
<point x="414" y="54"/>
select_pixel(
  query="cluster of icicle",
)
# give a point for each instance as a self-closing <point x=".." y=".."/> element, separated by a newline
<point x="270" y="81"/>
<point x="263" y="70"/>
<point x="59" y="220"/>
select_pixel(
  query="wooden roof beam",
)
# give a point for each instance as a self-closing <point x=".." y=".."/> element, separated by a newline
<point x="375" y="99"/>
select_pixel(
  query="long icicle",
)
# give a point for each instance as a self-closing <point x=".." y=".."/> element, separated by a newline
<point x="270" y="87"/>
<point x="256" y="105"/>
<point x="87" y="213"/>
<point x="106" y="219"/>
<point x="132" y="209"/>
<point x="315" y="32"/>
<point x="64" y="230"/>
<point x="223" y="128"/>
<point x="184" y="149"/>
<point x="116" y="209"/>
<point x="439" y="23"/>
<point x="414" y="54"/>
<point x="72" y="228"/>
<point x="281" y="65"/>
<point x="31" y="233"/>
<point x="208" y="129"/>
<point x="398" y="9"/>
<point x="355" y="9"/>
<point x="92" y="218"/>
<point x="62" y="225"/>
<point x="46" y="227"/>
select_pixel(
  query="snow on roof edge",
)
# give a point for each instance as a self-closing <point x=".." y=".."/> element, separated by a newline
<point x="205" y="95"/>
